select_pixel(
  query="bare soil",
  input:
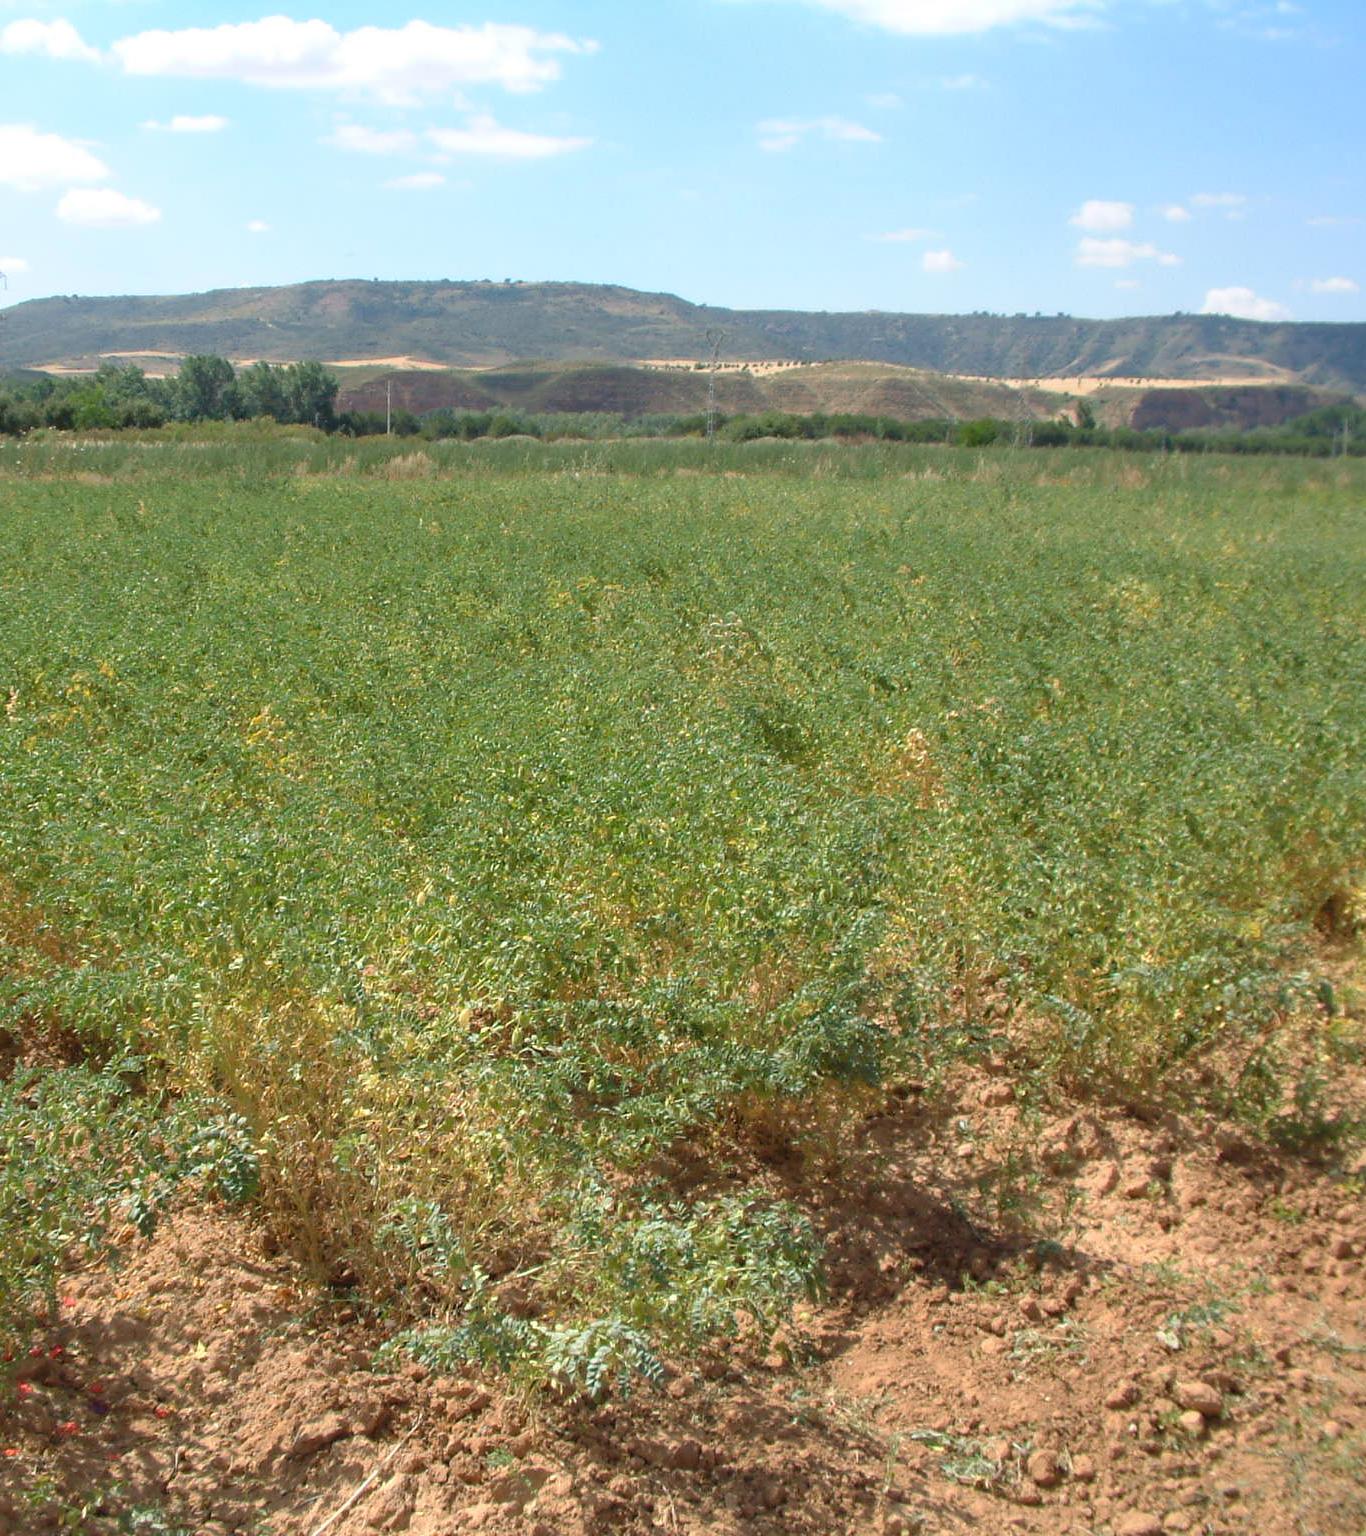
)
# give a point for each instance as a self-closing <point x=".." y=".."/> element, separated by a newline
<point x="1081" y="1322"/>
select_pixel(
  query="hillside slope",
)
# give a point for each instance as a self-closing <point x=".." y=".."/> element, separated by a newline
<point x="488" y="324"/>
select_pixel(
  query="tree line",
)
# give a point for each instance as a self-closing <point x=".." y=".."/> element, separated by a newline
<point x="209" y="388"/>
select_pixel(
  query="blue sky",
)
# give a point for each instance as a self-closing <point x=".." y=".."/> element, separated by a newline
<point x="1099" y="157"/>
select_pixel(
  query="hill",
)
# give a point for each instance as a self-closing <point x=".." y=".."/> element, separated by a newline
<point x="485" y="324"/>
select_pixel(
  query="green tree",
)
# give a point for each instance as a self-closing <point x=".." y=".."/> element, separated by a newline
<point x="311" y="392"/>
<point x="205" y="389"/>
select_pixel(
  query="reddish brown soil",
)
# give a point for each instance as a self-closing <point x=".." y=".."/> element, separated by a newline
<point x="962" y="1377"/>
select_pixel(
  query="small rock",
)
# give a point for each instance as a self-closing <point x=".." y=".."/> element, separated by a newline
<point x="1135" y="1188"/>
<point x="1342" y="1249"/>
<point x="1121" y="1397"/>
<point x="1044" y="1469"/>
<point x="991" y="1345"/>
<point x="1331" y="1429"/>
<point x="997" y="1095"/>
<point x="1084" y="1469"/>
<point x="369" y="1417"/>
<point x="1031" y="1310"/>
<point x="1177" y="1521"/>
<point x="474" y="1401"/>
<point x="1232" y="1148"/>
<point x="1199" y="1396"/>
<point x="1105" y="1180"/>
<point x="319" y="1435"/>
<point x="686" y="1455"/>
<point x="1138" y="1523"/>
<point x="1055" y="1306"/>
<point x="1192" y="1423"/>
<point x="964" y="1150"/>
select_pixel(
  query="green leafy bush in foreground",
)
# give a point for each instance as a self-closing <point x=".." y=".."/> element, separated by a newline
<point x="83" y="1157"/>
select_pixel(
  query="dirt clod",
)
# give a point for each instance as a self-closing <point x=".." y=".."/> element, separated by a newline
<point x="1199" y="1397"/>
<point x="1044" y="1469"/>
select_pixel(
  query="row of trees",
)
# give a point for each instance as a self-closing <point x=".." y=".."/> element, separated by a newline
<point x="206" y="389"/>
<point x="209" y="388"/>
<point x="1325" y="432"/>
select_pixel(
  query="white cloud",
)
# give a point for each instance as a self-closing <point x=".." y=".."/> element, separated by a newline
<point x="1128" y="284"/>
<point x="484" y="136"/>
<point x="12" y="266"/>
<point x="1242" y="304"/>
<point x="396" y="64"/>
<point x="419" y="181"/>
<point x="1334" y="285"/>
<point x="777" y="134"/>
<point x="927" y="18"/>
<point x="941" y="261"/>
<point x="257" y="227"/>
<point x="1121" y="253"/>
<point x="1176" y="213"/>
<point x="1102" y="217"/>
<point x="31" y="160"/>
<point x="903" y="236"/>
<point x="963" y="83"/>
<point x="183" y="124"/>
<point x="1331" y="221"/>
<point x="371" y="141"/>
<point x="103" y="208"/>
<point x="885" y="101"/>
<point x="51" y="39"/>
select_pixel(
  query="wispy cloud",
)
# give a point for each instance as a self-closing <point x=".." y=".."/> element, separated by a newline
<point x="1122" y="253"/>
<point x="1102" y="217"/>
<point x="1242" y="304"/>
<point x="183" y="124"/>
<point x="419" y="181"/>
<point x="257" y="227"/>
<point x="397" y="64"/>
<point x="360" y="140"/>
<point x="1334" y="285"/>
<point x="777" y="134"/>
<point x="13" y="266"/>
<point x="962" y="83"/>
<point x="1176" y="213"/>
<point x="484" y="136"/>
<point x="1332" y="221"/>
<point x="904" y="236"/>
<point x="1233" y="205"/>
<point x="103" y="208"/>
<point x="930" y="18"/>
<point x="941" y="262"/>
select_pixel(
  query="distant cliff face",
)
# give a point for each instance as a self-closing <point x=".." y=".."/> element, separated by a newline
<point x="1183" y="410"/>
<point x="481" y="324"/>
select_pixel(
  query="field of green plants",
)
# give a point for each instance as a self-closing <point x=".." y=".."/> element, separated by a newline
<point x="428" y="848"/>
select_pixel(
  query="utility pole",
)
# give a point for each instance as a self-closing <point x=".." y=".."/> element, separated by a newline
<point x="388" y="407"/>
<point x="714" y="341"/>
